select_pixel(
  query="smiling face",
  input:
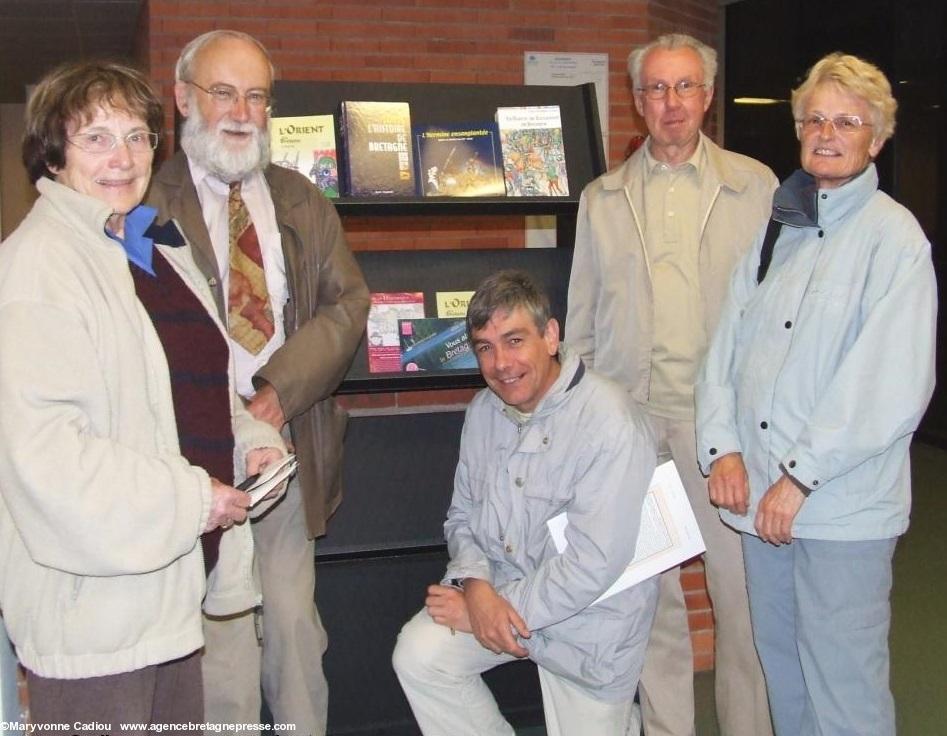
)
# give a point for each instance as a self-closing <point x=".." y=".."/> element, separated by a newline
<point x="517" y="361"/>
<point x="835" y="158"/>
<point x="673" y="123"/>
<point x="118" y="177"/>
<point x="231" y="140"/>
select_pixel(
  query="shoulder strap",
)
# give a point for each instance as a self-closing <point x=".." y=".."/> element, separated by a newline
<point x="766" y="254"/>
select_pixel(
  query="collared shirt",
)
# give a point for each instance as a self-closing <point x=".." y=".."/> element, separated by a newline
<point x="671" y="232"/>
<point x="137" y="246"/>
<point x="213" y="195"/>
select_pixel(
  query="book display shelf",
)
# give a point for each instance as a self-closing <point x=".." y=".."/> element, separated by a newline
<point x="451" y="270"/>
<point x="385" y="544"/>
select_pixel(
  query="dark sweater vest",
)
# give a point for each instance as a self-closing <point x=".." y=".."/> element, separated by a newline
<point x="198" y="364"/>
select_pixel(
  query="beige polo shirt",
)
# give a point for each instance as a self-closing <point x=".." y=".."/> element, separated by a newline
<point x="672" y="225"/>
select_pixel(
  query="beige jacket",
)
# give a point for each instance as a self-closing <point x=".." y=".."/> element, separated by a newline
<point x="101" y="571"/>
<point x="610" y="316"/>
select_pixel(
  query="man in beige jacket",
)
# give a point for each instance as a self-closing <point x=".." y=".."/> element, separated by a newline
<point x="656" y="241"/>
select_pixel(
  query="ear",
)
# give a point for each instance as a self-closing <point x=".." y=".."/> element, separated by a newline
<point x="551" y="336"/>
<point x="639" y="103"/>
<point x="181" y="97"/>
<point x="875" y="148"/>
<point x="708" y="97"/>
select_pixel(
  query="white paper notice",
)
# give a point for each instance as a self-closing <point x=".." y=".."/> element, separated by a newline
<point x="668" y="534"/>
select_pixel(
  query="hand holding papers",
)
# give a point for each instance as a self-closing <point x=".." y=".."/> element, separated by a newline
<point x="260" y="485"/>
<point x="667" y="537"/>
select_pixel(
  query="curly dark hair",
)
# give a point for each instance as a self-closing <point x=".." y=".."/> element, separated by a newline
<point x="70" y="94"/>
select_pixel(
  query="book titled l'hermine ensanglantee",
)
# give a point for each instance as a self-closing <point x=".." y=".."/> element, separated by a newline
<point x="534" y="157"/>
<point x="459" y="160"/>
<point x="306" y="143"/>
<point x="376" y="142"/>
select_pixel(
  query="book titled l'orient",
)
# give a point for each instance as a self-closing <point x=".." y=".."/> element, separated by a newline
<point x="306" y="143"/>
<point x="534" y="157"/>
<point x="376" y="142"/>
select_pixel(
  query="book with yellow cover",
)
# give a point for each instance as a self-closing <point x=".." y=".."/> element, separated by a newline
<point x="306" y="143"/>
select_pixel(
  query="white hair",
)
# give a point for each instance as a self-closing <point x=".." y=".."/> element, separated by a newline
<point x="669" y="41"/>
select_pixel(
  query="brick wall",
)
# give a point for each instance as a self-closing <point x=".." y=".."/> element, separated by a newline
<point x="442" y="41"/>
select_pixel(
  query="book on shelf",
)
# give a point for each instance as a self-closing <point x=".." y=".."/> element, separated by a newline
<point x="376" y="143"/>
<point x="534" y="157"/>
<point x="384" y="343"/>
<point x="435" y="344"/>
<point x="453" y="303"/>
<point x="459" y="160"/>
<point x="306" y="143"/>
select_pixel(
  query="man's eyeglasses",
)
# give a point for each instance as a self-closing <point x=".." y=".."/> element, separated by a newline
<point x="138" y="141"/>
<point x="684" y="89"/>
<point x="226" y="96"/>
<point x="844" y="124"/>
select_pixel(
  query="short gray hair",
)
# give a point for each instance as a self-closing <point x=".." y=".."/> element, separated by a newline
<point x="857" y="77"/>
<point x="670" y="41"/>
<point x="505" y="291"/>
<point x="183" y="69"/>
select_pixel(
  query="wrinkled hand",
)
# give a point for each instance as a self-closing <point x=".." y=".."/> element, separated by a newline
<point x="265" y="406"/>
<point x="728" y="484"/>
<point x="227" y="506"/>
<point x="493" y="621"/>
<point x="257" y="460"/>
<point x="777" y="511"/>
<point x="448" y="607"/>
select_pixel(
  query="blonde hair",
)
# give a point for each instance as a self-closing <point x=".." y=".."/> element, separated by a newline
<point x="857" y="77"/>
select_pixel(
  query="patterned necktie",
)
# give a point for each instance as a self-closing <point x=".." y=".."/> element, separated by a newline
<point x="249" y="313"/>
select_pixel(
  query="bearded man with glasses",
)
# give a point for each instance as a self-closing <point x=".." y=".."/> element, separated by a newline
<point x="295" y="303"/>
<point x="656" y="240"/>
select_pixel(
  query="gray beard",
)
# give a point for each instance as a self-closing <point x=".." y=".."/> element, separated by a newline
<point x="207" y="148"/>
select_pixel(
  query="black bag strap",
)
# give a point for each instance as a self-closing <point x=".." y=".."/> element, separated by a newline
<point x="766" y="254"/>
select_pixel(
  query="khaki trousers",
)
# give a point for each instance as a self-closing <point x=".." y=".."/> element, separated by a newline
<point x="288" y="665"/>
<point x="666" y="689"/>
<point x="440" y="675"/>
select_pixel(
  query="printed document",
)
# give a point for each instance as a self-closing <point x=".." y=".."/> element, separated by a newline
<point x="667" y="537"/>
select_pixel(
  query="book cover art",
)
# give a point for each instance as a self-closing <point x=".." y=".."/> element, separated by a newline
<point x="384" y="342"/>
<point x="453" y="303"/>
<point x="435" y="344"/>
<point x="376" y="139"/>
<point x="534" y="158"/>
<point x="459" y="160"/>
<point x="306" y="143"/>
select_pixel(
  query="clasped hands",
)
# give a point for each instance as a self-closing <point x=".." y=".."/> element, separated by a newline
<point x="479" y="610"/>
<point x="729" y="489"/>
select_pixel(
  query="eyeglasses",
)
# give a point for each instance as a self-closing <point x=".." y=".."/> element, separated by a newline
<point x="684" y="89"/>
<point x="843" y="124"/>
<point x="226" y="96"/>
<point x="138" y="141"/>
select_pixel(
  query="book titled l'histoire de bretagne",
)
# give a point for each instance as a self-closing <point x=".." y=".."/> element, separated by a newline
<point x="376" y="145"/>
<point x="534" y="157"/>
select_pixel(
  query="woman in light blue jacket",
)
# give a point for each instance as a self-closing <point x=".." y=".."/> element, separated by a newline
<point x="818" y="374"/>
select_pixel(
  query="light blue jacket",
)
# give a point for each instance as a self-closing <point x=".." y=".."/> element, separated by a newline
<point x="585" y="451"/>
<point x="825" y="369"/>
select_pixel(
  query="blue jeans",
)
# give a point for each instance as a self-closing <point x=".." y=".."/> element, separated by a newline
<point x="821" y="613"/>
